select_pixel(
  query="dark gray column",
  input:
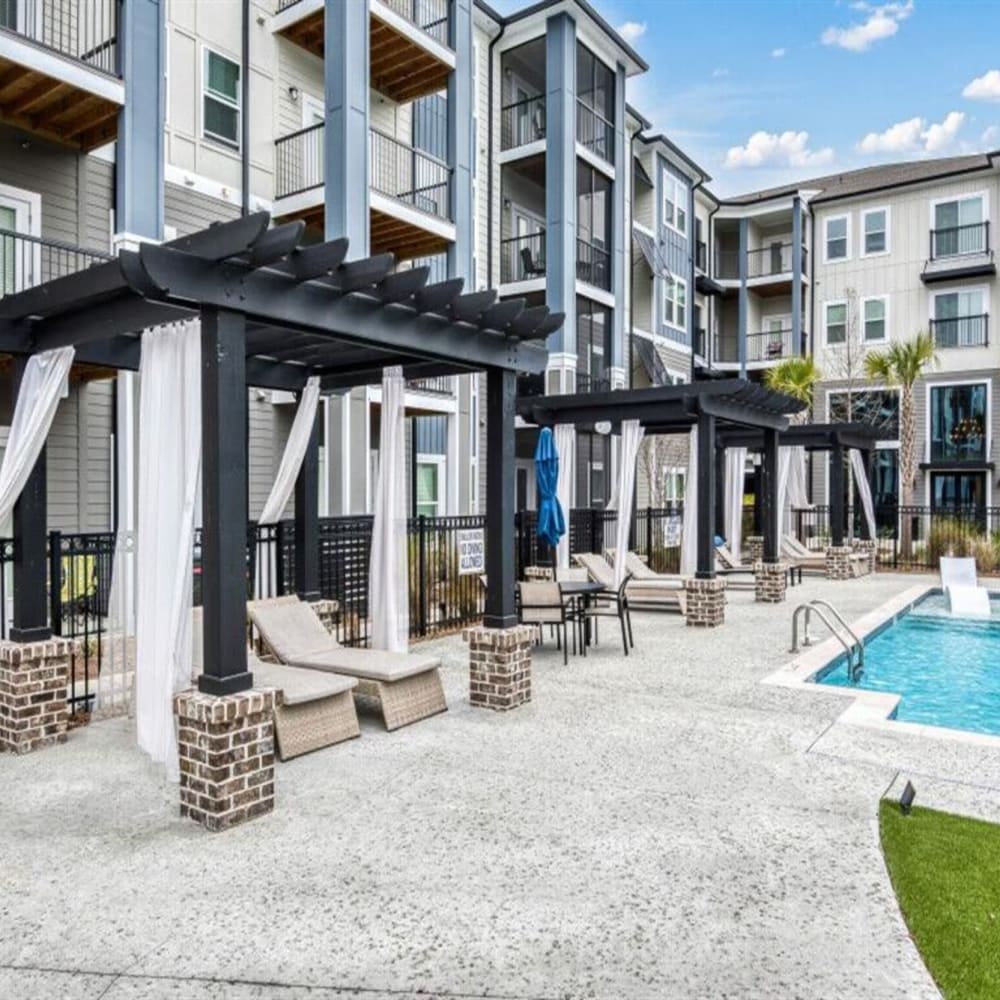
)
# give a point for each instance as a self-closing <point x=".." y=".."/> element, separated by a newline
<point x="770" y="492"/>
<point x="758" y="498"/>
<point x="837" y="495"/>
<point x="560" y="178"/>
<point x="720" y="492"/>
<point x="460" y="142"/>
<point x="706" y="496"/>
<point x="621" y="239"/>
<point x="345" y="134"/>
<point x="307" y="519"/>
<point x="224" y="502"/>
<point x="139" y="163"/>
<point x="501" y="392"/>
<point x="31" y="620"/>
<point x="743" y="305"/>
<point x="797" y="276"/>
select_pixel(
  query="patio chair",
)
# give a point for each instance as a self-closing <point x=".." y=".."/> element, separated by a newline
<point x="612" y="602"/>
<point x="961" y="587"/>
<point x="405" y="686"/>
<point x="660" y="594"/>
<point x="311" y="711"/>
<point x="529" y="266"/>
<point x="541" y="603"/>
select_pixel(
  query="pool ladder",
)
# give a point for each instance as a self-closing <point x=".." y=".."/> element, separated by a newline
<point x="854" y="649"/>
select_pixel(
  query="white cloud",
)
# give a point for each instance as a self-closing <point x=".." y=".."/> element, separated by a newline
<point x="990" y="136"/>
<point x="777" y="53"/>
<point x="769" y="149"/>
<point x="984" y="88"/>
<point x="631" y="30"/>
<point x="881" y="22"/>
<point x="915" y="135"/>
<point x="719" y="72"/>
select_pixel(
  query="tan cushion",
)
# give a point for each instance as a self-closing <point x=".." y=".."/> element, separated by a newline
<point x="376" y="664"/>
<point x="290" y="627"/>
<point x="299" y="685"/>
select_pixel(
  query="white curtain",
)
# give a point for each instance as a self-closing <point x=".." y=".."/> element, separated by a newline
<point x="689" y="526"/>
<point x="388" y="587"/>
<point x="632" y="434"/>
<point x="565" y="440"/>
<point x="784" y="469"/>
<point x="864" y="489"/>
<point x="284" y="484"/>
<point x="169" y="475"/>
<point x="44" y="383"/>
<point x="736" y="460"/>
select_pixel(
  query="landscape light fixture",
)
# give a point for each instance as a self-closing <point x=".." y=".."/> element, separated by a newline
<point x="906" y="799"/>
<point x="293" y="92"/>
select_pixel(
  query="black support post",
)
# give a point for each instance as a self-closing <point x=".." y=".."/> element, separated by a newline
<point x="720" y="492"/>
<point x="770" y="491"/>
<point x="307" y="520"/>
<point x="30" y="620"/>
<point x="758" y="498"/>
<point x="837" y="495"/>
<point x="706" y="496"/>
<point x="224" y="502"/>
<point x="501" y="393"/>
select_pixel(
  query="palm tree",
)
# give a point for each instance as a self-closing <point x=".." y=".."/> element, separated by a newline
<point x="795" y="377"/>
<point x="901" y="364"/>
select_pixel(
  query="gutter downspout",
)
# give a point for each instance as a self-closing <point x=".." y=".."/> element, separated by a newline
<point x="245" y="111"/>
<point x="490" y="157"/>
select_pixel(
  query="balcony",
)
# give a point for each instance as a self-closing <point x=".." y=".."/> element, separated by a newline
<point x="596" y="382"/>
<point x="961" y="331"/>
<point x="594" y="133"/>
<point x="59" y="73"/>
<point x="522" y="123"/>
<point x="27" y="261"/>
<point x="522" y="258"/>
<point x="593" y="265"/>
<point x="409" y="42"/>
<point x="765" y="265"/>
<point x="439" y="386"/>
<point x="959" y="252"/>
<point x="298" y="161"/>
<point x="762" y="349"/>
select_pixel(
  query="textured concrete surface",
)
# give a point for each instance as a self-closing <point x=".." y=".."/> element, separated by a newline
<point x="650" y="827"/>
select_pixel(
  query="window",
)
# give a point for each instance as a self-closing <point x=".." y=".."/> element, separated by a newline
<point x="837" y="237"/>
<point x="675" y="201"/>
<point x="960" y="318"/>
<point x="221" y="99"/>
<point x="958" y="423"/>
<point x="957" y="492"/>
<point x="593" y="226"/>
<point x="959" y="227"/>
<point x="595" y="93"/>
<point x="836" y="322"/>
<point x="593" y="464"/>
<point x="877" y="407"/>
<point x="429" y="485"/>
<point x="874" y="314"/>
<point x="875" y="232"/>
<point x="593" y="345"/>
<point x="675" y="302"/>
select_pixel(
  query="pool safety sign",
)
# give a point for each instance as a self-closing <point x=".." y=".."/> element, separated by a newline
<point x="672" y="532"/>
<point x="471" y="551"/>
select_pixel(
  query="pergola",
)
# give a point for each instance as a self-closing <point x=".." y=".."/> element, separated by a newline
<point x="714" y="407"/>
<point x="835" y="440"/>
<point x="273" y="312"/>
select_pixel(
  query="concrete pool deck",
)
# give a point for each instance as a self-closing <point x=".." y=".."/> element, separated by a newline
<point x="657" y="826"/>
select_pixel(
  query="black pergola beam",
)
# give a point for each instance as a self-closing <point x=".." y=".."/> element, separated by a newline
<point x="501" y="394"/>
<point x="416" y="368"/>
<point x="265" y="374"/>
<point x="128" y="313"/>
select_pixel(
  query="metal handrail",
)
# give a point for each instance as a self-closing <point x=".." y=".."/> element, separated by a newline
<point x="854" y="670"/>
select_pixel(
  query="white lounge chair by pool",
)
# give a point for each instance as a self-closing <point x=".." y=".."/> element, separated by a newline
<point x="961" y="587"/>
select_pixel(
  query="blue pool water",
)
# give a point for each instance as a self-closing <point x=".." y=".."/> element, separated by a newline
<point x="946" y="670"/>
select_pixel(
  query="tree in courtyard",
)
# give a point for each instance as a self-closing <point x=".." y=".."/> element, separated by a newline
<point x="796" y="377"/>
<point x="901" y="364"/>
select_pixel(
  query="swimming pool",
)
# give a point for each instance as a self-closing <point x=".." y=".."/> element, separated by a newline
<point x="946" y="670"/>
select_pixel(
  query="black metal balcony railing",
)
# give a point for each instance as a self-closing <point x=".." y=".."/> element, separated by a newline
<point x="522" y="122"/>
<point x="595" y="133"/>
<point x="441" y="385"/>
<point x="84" y="30"/>
<point x="298" y="161"/>
<point x="596" y="382"/>
<point x="593" y="265"/>
<point x="768" y="345"/>
<point x="957" y="241"/>
<point x="762" y="263"/>
<point x="409" y="175"/>
<point x="522" y="258"/>
<point x="27" y="261"/>
<point x="430" y="16"/>
<point x="961" y="331"/>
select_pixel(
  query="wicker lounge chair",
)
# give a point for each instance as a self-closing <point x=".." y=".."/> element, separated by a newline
<point x="311" y="711"/>
<point x="640" y="570"/>
<point x="406" y="686"/>
<point x="664" y="595"/>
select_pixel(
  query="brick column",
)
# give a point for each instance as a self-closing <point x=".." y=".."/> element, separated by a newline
<point x="770" y="582"/>
<point x="867" y="547"/>
<point x="499" y="666"/>
<point x="755" y="548"/>
<point x="33" y="693"/>
<point x="705" y="601"/>
<point x="226" y="749"/>
<point x="839" y="565"/>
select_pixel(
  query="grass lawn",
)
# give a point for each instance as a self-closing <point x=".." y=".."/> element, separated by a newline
<point x="946" y="872"/>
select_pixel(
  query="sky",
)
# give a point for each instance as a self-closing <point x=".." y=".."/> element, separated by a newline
<point x="763" y="92"/>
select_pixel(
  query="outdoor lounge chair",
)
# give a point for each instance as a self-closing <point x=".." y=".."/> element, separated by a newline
<point x="640" y="570"/>
<point x="793" y="551"/>
<point x="312" y="710"/>
<point x="406" y="686"/>
<point x="666" y="595"/>
<point x="961" y="587"/>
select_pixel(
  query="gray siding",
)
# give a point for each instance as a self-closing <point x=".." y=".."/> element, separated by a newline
<point x="188" y="211"/>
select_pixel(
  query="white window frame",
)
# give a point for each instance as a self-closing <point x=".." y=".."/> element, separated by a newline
<point x="667" y="283"/>
<point x="673" y="477"/>
<point x="27" y="208"/>
<point x="862" y="302"/>
<point x="983" y="196"/>
<point x="441" y="461"/>
<point x="945" y="383"/>
<point x="862" y="251"/>
<point x="984" y="291"/>
<point x="679" y="187"/>
<point x="215" y="96"/>
<point x="826" y="314"/>
<point x="827" y="259"/>
<point x="311" y="104"/>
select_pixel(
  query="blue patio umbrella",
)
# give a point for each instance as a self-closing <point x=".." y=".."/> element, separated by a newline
<point x="551" y="523"/>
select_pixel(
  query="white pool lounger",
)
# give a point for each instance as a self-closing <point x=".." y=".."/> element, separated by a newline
<point x="961" y="587"/>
